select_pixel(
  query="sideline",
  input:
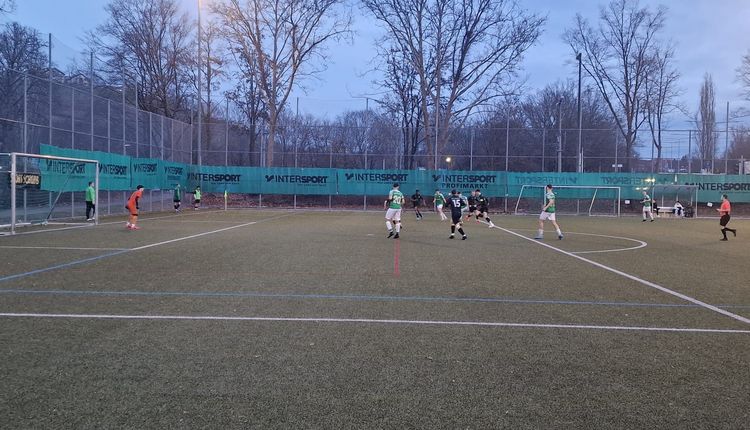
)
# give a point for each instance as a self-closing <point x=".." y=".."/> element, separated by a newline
<point x="372" y="321"/>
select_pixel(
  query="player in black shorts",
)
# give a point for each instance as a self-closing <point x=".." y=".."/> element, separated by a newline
<point x="456" y="204"/>
<point x="472" y="200"/>
<point x="482" y="209"/>
<point x="416" y="201"/>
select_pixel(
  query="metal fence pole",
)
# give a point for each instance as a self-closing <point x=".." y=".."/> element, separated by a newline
<point x="91" y="90"/>
<point x="109" y="150"/>
<point x="690" y="152"/>
<point x="471" y="149"/>
<point x="25" y="113"/>
<point x="726" y="144"/>
<point x="49" y="66"/>
<point x="226" y="135"/>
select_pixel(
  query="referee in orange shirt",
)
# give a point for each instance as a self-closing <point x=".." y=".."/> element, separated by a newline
<point x="724" y="211"/>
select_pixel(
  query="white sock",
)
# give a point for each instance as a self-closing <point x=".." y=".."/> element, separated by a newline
<point x="540" y="233"/>
<point x="389" y="225"/>
<point x="398" y="227"/>
<point x="559" y="233"/>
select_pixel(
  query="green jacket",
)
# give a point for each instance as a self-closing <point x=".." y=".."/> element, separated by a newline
<point x="90" y="194"/>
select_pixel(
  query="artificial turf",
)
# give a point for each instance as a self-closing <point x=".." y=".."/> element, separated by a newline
<point x="370" y="371"/>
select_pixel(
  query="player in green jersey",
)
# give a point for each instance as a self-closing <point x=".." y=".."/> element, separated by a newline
<point x="393" y="211"/>
<point x="548" y="213"/>
<point x="177" y="197"/>
<point x="647" y="203"/>
<point x="90" y="202"/>
<point x="439" y="201"/>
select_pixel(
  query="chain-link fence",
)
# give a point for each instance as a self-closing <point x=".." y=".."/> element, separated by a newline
<point x="71" y="112"/>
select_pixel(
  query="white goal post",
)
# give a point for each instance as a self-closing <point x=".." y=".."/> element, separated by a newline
<point x="666" y="195"/>
<point x="44" y="189"/>
<point x="572" y="199"/>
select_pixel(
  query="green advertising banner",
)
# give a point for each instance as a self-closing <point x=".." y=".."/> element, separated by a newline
<point x="376" y="182"/>
<point x="146" y="172"/>
<point x="118" y="172"/>
<point x="173" y="174"/>
<point x="297" y="181"/>
<point x="217" y="179"/>
<point x="114" y="170"/>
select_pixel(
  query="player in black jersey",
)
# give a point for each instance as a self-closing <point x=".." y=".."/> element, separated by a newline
<point x="482" y="208"/>
<point x="416" y="201"/>
<point x="472" y="200"/>
<point x="456" y="204"/>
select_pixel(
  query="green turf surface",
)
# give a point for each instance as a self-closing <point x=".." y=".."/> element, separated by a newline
<point x="366" y="369"/>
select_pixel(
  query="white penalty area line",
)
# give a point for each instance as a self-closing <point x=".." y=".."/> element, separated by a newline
<point x="112" y="254"/>
<point x="64" y="248"/>
<point x="633" y="278"/>
<point x="49" y="230"/>
<point x="368" y="321"/>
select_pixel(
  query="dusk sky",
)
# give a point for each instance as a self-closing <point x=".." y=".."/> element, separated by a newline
<point x="711" y="37"/>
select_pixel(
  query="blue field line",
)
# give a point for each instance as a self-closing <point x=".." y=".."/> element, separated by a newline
<point x="62" y="266"/>
<point x="349" y="297"/>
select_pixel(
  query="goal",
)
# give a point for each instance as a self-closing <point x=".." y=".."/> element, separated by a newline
<point x="666" y="196"/>
<point x="571" y="200"/>
<point x="43" y="189"/>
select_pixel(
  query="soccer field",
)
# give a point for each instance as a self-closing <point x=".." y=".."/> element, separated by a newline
<point x="312" y="319"/>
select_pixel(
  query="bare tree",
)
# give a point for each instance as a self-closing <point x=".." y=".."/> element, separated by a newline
<point x="740" y="148"/>
<point x="279" y="40"/>
<point x="403" y="100"/>
<point x="744" y="74"/>
<point x="706" y="121"/>
<point x="7" y="6"/>
<point x="212" y="64"/>
<point x="661" y="92"/>
<point x="147" y="41"/>
<point x="21" y="52"/>
<point x="617" y="56"/>
<point x="464" y="54"/>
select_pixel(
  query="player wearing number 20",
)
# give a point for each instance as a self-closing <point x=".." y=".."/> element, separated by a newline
<point x="393" y="211"/>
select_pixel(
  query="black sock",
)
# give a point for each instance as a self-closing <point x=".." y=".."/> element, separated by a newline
<point x="724" y="232"/>
<point x="460" y="230"/>
<point x="488" y="219"/>
<point x="453" y="229"/>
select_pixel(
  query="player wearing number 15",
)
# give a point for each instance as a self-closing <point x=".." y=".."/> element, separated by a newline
<point x="393" y="211"/>
<point x="548" y="213"/>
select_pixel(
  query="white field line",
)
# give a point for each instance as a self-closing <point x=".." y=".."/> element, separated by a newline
<point x="371" y="321"/>
<point x="641" y="244"/>
<point x="633" y="277"/>
<point x="192" y="236"/>
<point x="109" y="223"/>
<point x="65" y="248"/>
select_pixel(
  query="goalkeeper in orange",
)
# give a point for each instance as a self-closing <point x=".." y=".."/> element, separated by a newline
<point x="132" y="207"/>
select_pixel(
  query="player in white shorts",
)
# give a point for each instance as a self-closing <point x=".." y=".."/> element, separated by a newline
<point x="393" y="212"/>
<point x="647" y="203"/>
<point x="548" y="213"/>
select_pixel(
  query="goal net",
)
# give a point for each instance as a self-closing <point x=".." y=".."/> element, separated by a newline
<point x="571" y="200"/>
<point x="666" y="198"/>
<point x="42" y="189"/>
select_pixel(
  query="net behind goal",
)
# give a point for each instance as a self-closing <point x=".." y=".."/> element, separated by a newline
<point x="571" y="200"/>
<point x="666" y="197"/>
<point x="41" y="189"/>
